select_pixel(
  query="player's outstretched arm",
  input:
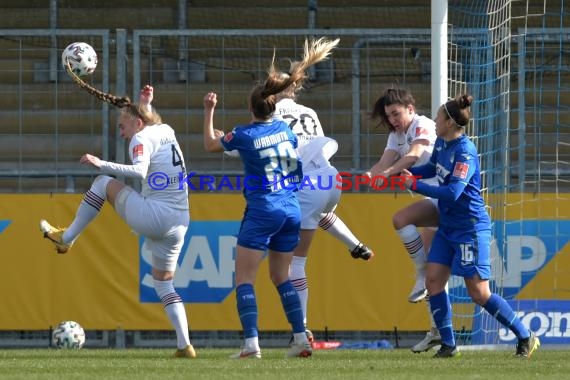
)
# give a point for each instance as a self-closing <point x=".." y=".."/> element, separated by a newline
<point x="211" y="140"/>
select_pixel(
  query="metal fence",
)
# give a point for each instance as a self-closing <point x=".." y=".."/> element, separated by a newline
<point x="48" y="122"/>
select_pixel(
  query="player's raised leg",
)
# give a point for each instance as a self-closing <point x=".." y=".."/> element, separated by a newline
<point x="406" y="221"/>
<point x="331" y="223"/>
<point x="88" y="209"/>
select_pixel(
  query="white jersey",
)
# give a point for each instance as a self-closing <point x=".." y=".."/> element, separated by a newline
<point x="421" y="128"/>
<point x="305" y="123"/>
<point x="159" y="164"/>
<point x="315" y="151"/>
<point x="302" y="120"/>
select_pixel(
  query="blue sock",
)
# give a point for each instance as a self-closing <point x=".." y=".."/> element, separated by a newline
<point x="441" y="311"/>
<point x="502" y="311"/>
<point x="292" y="306"/>
<point x="247" y="309"/>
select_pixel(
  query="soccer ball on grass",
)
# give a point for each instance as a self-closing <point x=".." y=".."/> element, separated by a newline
<point x="68" y="334"/>
<point x="81" y="57"/>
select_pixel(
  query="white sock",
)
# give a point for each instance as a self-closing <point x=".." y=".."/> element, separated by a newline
<point x="252" y="344"/>
<point x="88" y="208"/>
<point x="300" y="337"/>
<point x="175" y="310"/>
<point x="335" y="226"/>
<point x="414" y="245"/>
<point x="299" y="280"/>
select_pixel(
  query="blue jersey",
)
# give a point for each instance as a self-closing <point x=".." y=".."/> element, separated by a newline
<point x="456" y="165"/>
<point x="267" y="150"/>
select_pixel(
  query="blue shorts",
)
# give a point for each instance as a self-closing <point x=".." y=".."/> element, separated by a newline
<point x="466" y="253"/>
<point x="273" y="226"/>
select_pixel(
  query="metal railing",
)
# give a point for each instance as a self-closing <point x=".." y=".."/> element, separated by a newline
<point x="342" y="90"/>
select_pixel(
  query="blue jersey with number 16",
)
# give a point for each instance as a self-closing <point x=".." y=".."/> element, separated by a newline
<point x="456" y="165"/>
<point x="267" y="150"/>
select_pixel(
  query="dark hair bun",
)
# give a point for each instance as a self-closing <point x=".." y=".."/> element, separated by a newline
<point x="464" y="101"/>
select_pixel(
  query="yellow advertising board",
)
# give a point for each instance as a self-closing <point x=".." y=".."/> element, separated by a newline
<point x="102" y="282"/>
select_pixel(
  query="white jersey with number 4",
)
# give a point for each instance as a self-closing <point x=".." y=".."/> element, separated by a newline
<point x="158" y="163"/>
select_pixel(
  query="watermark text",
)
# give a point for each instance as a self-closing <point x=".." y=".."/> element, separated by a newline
<point x="344" y="181"/>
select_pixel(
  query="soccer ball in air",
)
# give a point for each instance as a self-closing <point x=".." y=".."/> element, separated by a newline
<point x="82" y="58"/>
<point x="68" y="334"/>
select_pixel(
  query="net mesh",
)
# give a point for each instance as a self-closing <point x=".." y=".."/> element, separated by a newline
<point x="510" y="56"/>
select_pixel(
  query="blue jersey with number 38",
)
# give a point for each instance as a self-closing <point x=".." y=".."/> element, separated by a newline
<point x="267" y="150"/>
<point x="456" y="165"/>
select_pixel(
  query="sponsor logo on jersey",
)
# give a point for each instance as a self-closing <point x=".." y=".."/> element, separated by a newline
<point x="138" y="150"/>
<point x="460" y="170"/>
<point x="229" y="137"/>
<point x="441" y="173"/>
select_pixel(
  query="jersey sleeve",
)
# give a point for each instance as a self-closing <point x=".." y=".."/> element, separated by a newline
<point x="423" y="130"/>
<point x="392" y="143"/>
<point x="138" y="171"/>
<point x="139" y="153"/>
<point x="449" y="192"/>
<point x="424" y="171"/>
<point x="464" y="167"/>
<point x="229" y="141"/>
<point x="139" y="150"/>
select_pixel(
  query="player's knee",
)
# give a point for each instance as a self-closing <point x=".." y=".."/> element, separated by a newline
<point x="399" y="221"/>
<point x="163" y="288"/>
<point x="435" y="284"/>
<point x="327" y="219"/>
<point x="478" y="296"/>
<point x="99" y="185"/>
<point x="279" y="276"/>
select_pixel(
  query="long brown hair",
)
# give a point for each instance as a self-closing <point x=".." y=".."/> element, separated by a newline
<point x="263" y="97"/>
<point x="136" y="110"/>
<point x="391" y="96"/>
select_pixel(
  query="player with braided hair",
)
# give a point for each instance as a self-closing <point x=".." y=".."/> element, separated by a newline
<point x="272" y="218"/>
<point x="161" y="216"/>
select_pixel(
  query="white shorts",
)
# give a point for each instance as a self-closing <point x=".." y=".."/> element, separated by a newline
<point x="320" y="198"/>
<point x="162" y="226"/>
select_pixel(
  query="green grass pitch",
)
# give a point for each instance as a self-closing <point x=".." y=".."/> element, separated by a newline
<point x="325" y="364"/>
